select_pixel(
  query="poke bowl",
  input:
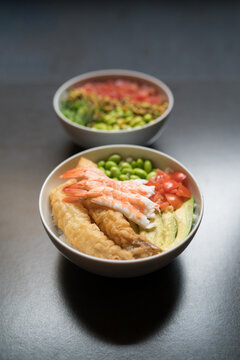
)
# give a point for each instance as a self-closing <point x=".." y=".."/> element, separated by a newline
<point x="113" y="106"/>
<point x="120" y="265"/>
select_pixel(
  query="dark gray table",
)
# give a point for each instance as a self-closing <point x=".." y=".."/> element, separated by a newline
<point x="49" y="308"/>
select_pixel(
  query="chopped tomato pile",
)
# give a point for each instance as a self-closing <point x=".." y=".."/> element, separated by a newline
<point x="169" y="189"/>
<point x="121" y="89"/>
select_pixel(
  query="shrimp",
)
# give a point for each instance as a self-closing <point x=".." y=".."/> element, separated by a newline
<point x="135" y="207"/>
<point x="127" y="186"/>
<point x="127" y="209"/>
<point x="78" y="198"/>
<point x="140" y="202"/>
<point x="82" y="173"/>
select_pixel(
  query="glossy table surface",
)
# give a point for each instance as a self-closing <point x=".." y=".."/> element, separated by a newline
<point x="49" y="308"/>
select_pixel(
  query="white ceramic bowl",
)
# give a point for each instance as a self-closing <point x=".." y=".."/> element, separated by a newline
<point x="116" y="268"/>
<point x="88" y="137"/>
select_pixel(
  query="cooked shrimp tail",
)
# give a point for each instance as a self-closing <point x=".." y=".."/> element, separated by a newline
<point x="81" y="194"/>
<point x="71" y="174"/>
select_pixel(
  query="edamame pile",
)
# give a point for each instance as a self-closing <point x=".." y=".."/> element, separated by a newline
<point x="117" y="168"/>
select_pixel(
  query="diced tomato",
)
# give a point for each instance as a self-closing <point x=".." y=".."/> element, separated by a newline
<point x="154" y="99"/>
<point x="178" y="176"/>
<point x="170" y="185"/>
<point x="162" y="176"/>
<point x="157" y="197"/>
<point x="164" y="205"/>
<point x="121" y="89"/>
<point x="169" y="189"/>
<point x="142" y="94"/>
<point x="183" y="191"/>
<point x="151" y="182"/>
<point x="174" y="200"/>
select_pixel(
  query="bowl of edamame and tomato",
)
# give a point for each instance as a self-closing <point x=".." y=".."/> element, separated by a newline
<point x="112" y="107"/>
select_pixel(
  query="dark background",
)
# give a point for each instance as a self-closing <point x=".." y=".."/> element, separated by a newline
<point x="50" y="309"/>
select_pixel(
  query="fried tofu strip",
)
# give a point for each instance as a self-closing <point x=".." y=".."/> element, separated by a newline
<point x="81" y="233"/>
<point x="116" y="227"/>
<point x="85" y="163"/>
<point x="113" y="224"/>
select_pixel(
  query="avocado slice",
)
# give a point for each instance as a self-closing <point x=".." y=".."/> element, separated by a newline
<point x="170" y="229"/>
<point x="171" y="226"/>
<point x="184" y="217"/>
<point x="156" y="235"/>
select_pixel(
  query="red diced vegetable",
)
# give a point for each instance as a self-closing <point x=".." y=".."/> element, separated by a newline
<point x="174" y="200"/>
<point x="169" y="189"/>
<point x="178" y="176"/>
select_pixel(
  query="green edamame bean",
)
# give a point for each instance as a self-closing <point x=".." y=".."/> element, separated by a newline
<point x="123" y="177"/>
<point x="110" y="121"/>
<point x="115" y="127"/>
<point x="100" y="126"/>
<point x="140" y="163"/>
<point x="115" y="172"/>
<point x="139" y="124"/>
<point x="115" y="178"/>
<point x="134" y="177"/>
<point x="151" y="175"/>
<point x="119" y="111"/>
<point x="108" y="172"/>
<point x="101" y="168"/>
<point x="135" y="120"/>
<point x="125" y="165"/>
<point x="101" y="163"/>
<point x="115" y="158"/>
<point x="127" y="170"/>
<point x="147" y="117"/>
<point x="134" y="164"/>
<point x="125" y="126"/>
<point x="147" y="166"/>
<point x="140" y="172"/>
<point x="110" y="164"/>
<point x="128" y="119"/>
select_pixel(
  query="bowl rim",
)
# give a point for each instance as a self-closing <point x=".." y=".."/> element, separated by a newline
<point x="112" y="72"/>
<point x="119" y="262"/>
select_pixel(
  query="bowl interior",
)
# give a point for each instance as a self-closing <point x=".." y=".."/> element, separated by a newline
<point x="102" y="75"/>
<point x="159" y="160"/>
